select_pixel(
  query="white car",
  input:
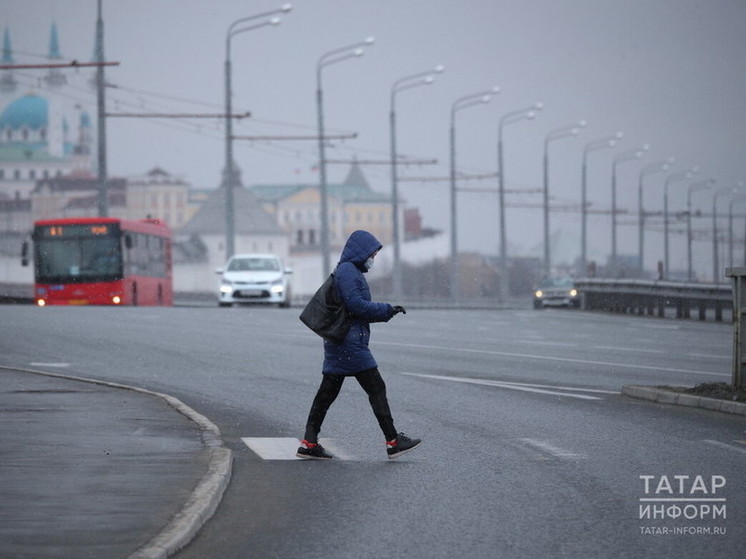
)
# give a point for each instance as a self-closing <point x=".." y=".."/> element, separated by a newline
<point x="254" y="278"/>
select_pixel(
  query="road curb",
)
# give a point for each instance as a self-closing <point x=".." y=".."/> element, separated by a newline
<point x="680" y="399"/>
<point x="205" y="497"/>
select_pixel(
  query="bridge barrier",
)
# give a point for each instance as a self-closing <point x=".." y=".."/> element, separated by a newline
<point x="645" y="297"/>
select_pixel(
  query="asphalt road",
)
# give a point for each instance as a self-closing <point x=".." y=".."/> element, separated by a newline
<point x="529" y="449"/>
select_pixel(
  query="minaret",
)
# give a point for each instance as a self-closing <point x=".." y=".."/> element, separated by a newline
<point x="55" y="78"/>
<point x="8" y="81"/>
<point x="83" y="148"/>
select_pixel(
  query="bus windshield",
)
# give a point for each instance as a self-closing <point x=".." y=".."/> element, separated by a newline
<point x="78" y="259"/>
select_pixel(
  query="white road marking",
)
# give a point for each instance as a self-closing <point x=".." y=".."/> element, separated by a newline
<point x="284" y="448"/>
<point x="726" y="446"/>
<point x="630" y="349"/>
<point x="279" y="448"/>
<point x="709" y="356"/>
<point x="536" y="388"/>
<point x="570" y="388"/>
<point x="659" y="326"/>
<point x="560" y="359"/>
<point x="545" y="343"/>
<point x="58" y="365"/>
<point x="551" y="449"/>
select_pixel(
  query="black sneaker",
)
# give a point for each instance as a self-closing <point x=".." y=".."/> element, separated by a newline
<point x="400" y="445"/>
<point x="312" y="451"/>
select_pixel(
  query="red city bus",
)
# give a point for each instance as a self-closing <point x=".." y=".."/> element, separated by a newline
<point x="101" y="261"/>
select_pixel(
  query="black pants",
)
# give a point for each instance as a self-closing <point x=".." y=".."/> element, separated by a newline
<point x="374" y="387"/>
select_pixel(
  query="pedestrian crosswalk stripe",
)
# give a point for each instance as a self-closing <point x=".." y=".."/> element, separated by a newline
<point x="273" y="448"/>
<point x="284" y="448"/>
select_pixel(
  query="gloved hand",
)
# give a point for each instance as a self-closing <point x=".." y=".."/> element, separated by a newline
<point x="399" y="309"/>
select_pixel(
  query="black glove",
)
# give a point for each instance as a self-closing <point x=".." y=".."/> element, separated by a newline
<point x="399" y="309"/>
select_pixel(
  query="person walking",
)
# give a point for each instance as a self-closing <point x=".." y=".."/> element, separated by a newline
<point x="352" y="357"/>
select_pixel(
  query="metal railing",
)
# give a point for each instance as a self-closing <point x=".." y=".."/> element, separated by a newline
<point x="655" y="298"/>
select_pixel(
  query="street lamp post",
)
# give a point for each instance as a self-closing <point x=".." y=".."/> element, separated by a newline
<point x="734" y="200"/>
<point x="701" y="185"/>
<point x="326" y="59"/>
<point x="234" y="29"/>
<point x="659" y="167"/>
<point x="407" y="82"/>
<point x="564" y="132"/>
<point x="623" y="157"/>
<point x="715" y="255"/>
<point x="458" y="105"/>
<point x="602" y="143"/>
<point x="673" y="177"/>
<point x="527" y="113"/>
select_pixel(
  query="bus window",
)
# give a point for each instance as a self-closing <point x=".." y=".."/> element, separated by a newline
<point x="78" y="259"/>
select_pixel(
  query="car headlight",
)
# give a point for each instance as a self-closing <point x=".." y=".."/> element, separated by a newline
<point x="573" y="293"/>
<point x="539" y="294"/>
<point x="277" y="286"/>
<point x="226" y="287"/>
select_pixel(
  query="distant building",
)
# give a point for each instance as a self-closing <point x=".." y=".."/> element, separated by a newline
<point x="75" y="195"/>
<point x="353" y="204"/>
<point x="161" y="195"/>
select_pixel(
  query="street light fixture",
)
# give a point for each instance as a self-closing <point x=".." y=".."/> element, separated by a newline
<point x="602" y="143"/>
<point x="407" y="82"/>
<point x="701" y="185"/>
<point x="658" y="167"/>
<point x="528" y="113"/>
<point x="233" y="30"/>
<point x="458" y="105"/>
<point x="564" y="132"/>
<point x="623" y="157"/>
<point x="326" y="59"/>
<point x="673" y="177"/>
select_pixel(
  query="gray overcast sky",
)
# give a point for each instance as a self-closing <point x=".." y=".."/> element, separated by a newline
<point x="669" y="73"/>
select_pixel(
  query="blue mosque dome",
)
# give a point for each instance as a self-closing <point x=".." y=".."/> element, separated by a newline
<point x="30" y="111"/>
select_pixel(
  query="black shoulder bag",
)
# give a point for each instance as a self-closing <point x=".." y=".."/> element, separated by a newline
<point x="326" y="314"/>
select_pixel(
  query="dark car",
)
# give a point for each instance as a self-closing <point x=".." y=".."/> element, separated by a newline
<point x="556" y="292"/>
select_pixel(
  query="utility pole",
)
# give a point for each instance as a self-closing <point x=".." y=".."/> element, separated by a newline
<point x="103" y="194"/>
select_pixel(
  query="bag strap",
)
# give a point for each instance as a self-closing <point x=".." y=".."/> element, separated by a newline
<point x="335" y="291"/>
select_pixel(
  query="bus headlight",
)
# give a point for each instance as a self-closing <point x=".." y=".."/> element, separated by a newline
<point x="41" y="302"/>
<point x="573" y="293"/>
<point x="116" y="299"/>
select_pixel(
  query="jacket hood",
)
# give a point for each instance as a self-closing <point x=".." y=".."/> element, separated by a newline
<point x="359" y="247"/>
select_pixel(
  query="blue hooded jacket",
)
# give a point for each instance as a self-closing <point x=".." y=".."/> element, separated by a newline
<point x="352" y="355"/>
